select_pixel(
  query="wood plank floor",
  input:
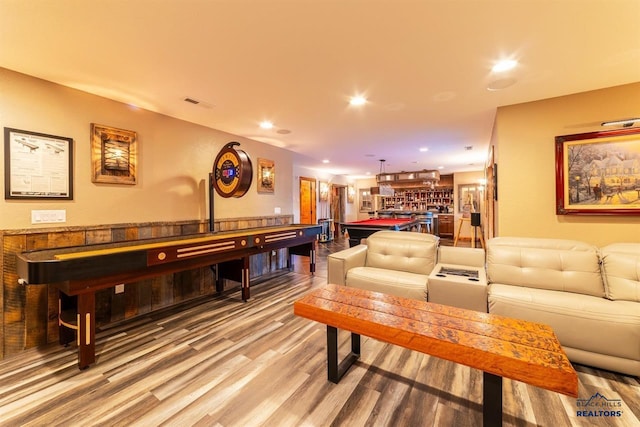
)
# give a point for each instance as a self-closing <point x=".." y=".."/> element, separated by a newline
<point x="221" y="362"/>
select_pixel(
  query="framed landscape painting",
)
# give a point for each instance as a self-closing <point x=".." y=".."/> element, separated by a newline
<point x="598" y="173"/>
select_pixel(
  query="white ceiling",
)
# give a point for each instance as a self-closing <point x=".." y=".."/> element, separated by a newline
<point x="423" y="65"/>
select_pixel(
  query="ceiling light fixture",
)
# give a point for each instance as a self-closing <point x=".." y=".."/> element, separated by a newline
<point x="424" y="149"/>
<point x="266" y="124"/>
<point x="504" y="65"/>
<point x="624" y="123"/>
<point x="357" y="100"/>
<point x="500" y="84"/>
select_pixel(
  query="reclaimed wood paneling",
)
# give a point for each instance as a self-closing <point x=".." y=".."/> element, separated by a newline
<point x="13" y="296"/>
<point x="2" y="296"/>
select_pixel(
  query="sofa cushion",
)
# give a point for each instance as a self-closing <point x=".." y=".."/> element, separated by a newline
<point x="399" y="283"/>
<point x="553" y="264"/>
<point x="621" y="268"/>
<point x="456" y="255"/>
<point x="593" y="324"/>
<point x="402" y="251"/>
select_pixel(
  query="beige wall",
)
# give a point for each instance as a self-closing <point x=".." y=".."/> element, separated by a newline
<point x="525" y="134"/>
<point x="175" y="158"/>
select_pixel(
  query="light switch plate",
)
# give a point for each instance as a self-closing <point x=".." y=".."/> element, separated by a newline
<point x="48" y="216"/>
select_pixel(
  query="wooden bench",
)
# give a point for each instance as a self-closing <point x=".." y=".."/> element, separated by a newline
<point x="499" y="346"/>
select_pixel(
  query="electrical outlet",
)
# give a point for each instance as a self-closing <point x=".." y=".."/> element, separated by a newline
<point x="120" y="288"/>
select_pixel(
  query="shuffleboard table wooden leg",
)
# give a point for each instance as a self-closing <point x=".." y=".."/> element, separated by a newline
<point x="312" y="260"/>
<point x="491" y="400"/>
<point x="246" y="281"/>
<point x="86" y="330"/>
<point x="336" y="370"/>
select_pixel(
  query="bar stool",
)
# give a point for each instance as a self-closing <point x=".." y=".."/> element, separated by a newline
<point x="425" y="223"/>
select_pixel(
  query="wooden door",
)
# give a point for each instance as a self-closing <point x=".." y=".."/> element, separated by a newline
<point x="307" y="200"/>
<point x="338" y="198"/>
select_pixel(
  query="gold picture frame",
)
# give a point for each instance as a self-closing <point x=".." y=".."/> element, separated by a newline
<point x="266" y="176"/>
<point x="324" y="191"/>
<point x="114" y="155"/>
<point x="351" y="193"/>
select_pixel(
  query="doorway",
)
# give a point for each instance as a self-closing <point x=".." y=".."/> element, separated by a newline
<point x="307" y="200"/>
<point x="338" y="206"/>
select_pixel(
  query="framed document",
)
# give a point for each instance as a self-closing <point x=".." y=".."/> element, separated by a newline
<point x="37" y="165"/>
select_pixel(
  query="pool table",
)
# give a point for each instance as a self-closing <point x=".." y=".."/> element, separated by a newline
<point x="362" y="229"/>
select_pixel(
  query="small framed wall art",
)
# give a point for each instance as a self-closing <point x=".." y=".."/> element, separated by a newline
<point x="113" y="155"/>
<point x="266" y="176"/>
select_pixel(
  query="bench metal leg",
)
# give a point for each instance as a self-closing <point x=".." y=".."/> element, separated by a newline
<point x="491" y="400"/>
<point x="336" y="370"/>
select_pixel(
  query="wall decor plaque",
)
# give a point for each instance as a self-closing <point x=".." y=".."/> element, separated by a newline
<point x="113" y="155"/>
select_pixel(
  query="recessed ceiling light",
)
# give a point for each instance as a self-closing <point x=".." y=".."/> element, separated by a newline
<point x="440" y="167"/>
<point x="266" y="124"/>
<point x="424" y="149"/>
<point x="325" y="161"/>
<point x="500" y="84"/>
<point x="358" y="100"/>
<point x="504" y="65"/>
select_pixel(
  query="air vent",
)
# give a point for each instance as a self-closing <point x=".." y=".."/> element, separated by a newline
<point x="468" y="148"/>
<point x="191" y="101"/>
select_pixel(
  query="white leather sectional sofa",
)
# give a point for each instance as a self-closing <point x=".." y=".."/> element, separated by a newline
<point x="590" y="296"/>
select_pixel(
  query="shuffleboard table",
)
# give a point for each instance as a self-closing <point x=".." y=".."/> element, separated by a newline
<point x="83" y="270"/>
<point x="359" y="230"/>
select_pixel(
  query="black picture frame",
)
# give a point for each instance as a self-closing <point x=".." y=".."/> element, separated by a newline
<point x="37" y="165"/>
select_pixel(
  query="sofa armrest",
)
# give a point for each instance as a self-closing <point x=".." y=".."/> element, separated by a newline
<point x="461" y="256"/>
<point x="338" y="263"/>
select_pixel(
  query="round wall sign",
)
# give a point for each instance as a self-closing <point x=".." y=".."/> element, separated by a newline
<point x="233" y="171"/>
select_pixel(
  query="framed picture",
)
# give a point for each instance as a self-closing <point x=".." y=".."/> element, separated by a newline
<point x="468" y="199"/>
<point x="113" y="155"/>
<point x="266" y="176"/>
<point x="324" y="191"/>
<point x="37" y="165"/>
<point x="598" y="173"/>
<point x="351" y="193"/>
